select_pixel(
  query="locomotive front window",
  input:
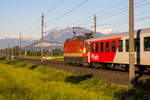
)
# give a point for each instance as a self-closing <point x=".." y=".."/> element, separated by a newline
<point x="92" y="47"/>
<point x="101" y="47"/>
<point x="96" y="47"/>
<point x="107" y="46"/>
<point x="120" y="45"/>
<point x="146" y="43"/>
<point x="113" y="43"/>
<point x="127" y="45"/>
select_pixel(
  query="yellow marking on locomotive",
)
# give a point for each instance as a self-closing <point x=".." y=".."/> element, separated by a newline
<point x="84" y="50"/>
<point x="73" y="54"/>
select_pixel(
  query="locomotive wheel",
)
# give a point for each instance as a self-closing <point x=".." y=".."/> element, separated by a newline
<point x="85" y="64"/>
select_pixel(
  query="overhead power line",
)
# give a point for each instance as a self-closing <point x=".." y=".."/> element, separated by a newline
<point x="111" y="7"/>
<point x="54" y="7"/>
<point x="124" y="8"/>
<point x="70" y="11"/>
<point x="32" y="25"/>
<point x="118" y="11"/>
<point x="123" y="22"/>
<point x="104" y="10"/>
<point x="38" y="20"/>
<point x="123" y="11"/>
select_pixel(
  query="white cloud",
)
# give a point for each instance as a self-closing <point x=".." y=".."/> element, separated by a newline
<point x="46" y="44"/>
<point x="107" y="31"/>
<point x="24" y="37"/>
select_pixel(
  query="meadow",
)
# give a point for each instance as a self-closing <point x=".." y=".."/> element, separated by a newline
<point x="25" y="81"/>
<point x="57" y="58"/>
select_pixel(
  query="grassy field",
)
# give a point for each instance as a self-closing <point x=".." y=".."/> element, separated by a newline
<point x="24" y="81"/>
<point x="32" y="57"/>
<point x="53" y="58"/>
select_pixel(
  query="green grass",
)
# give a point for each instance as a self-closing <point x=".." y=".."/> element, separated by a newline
<point x="24" y="81"/>
<point x="32" y="57"/>
<point x="58" y="58"/>
<point x="61" y="58"/>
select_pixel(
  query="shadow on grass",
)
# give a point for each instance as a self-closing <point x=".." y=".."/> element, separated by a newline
<point x="143" y="84"/>
<point x="132" y="94"/>
<point x="77" y="79"/>
<point x="141" y="89"/>
<point x="2" y="58"/>
<point x="34" y="66"/>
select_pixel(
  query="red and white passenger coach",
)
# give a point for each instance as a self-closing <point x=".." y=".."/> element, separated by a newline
<point x="109" y="49"/>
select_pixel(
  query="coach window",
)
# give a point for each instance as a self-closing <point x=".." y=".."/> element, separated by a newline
<point x="113" y="43"/>
<point x="92" y="47"/>
<point x="146" y="43"/>
<point x="96" y="47"/>
<point x="127" y="45"/>
<point x="107" y="46"/>
<point x="101" y="47"/>
<point x="120" y="46"/>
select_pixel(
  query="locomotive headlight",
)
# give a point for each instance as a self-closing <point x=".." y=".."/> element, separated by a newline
<point x="84" y="50"/>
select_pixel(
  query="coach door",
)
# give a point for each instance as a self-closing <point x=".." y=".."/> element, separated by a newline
<point x="88" y="52"/>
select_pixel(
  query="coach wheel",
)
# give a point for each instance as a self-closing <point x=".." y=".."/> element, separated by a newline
<point x="127" y="68"/>
<point x="85" y="64"/>
<point x="96" y="65"/>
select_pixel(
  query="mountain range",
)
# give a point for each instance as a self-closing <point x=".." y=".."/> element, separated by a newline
<point x="54" y="38"/>
<point x="60" y="35"/>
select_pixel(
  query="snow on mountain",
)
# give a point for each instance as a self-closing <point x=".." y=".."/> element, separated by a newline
<point x="60" y="35"/>
<point x="106" y="31"/>
<point x="56" y="37"/>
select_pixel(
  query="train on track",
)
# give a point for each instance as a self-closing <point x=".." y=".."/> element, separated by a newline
<point x="108" y="50"/>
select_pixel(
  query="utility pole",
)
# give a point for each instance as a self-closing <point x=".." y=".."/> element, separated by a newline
<point x="51" y="51"/>
<point x="8" y="51"/>
<point x="20" y="46"/>
<point x="42" y="48"/>
<point x="131" y="45"/>
<point x="12" y="51"/>
<point x="8" y="48"/>
<point x="95" y="26"/>
<point x="34" y="47"/>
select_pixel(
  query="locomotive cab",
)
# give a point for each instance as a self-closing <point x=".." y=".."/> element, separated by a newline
<point x="75" y="50"/>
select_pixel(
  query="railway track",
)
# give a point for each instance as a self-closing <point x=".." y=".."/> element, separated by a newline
<point x="47" y="62"/>
<point x="111" y="76"/>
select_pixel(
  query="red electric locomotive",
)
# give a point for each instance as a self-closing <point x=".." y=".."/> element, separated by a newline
<point x="75" y="49"/>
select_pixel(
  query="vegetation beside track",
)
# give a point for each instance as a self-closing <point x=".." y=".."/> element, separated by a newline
<point x="32" y="57"/>
<point x="59" y="58"/>
<point x="24" y="81"/>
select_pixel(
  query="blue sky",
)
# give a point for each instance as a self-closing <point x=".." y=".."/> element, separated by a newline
<point x="18" y="15"/>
